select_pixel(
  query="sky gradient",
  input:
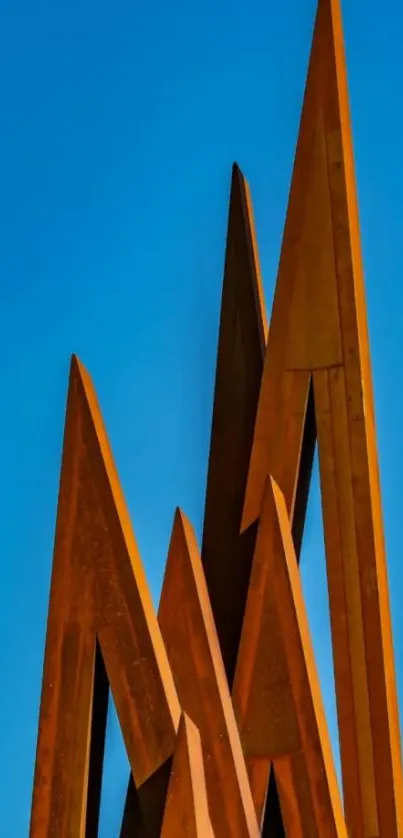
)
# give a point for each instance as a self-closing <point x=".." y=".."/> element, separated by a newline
<point x="119" y="123"/>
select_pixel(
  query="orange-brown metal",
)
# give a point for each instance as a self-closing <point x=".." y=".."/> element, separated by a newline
<point x="186" y="812"/>
<point x="319" y="328"/>
<point x="240" y="356"/>
<point x="98" y="590"/>
<point x="276" y="693"/>
<point x="233" y="620"/>
<point x="188" y="629"/>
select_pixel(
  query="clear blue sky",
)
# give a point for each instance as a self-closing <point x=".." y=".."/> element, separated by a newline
<point x="118" y="126"/>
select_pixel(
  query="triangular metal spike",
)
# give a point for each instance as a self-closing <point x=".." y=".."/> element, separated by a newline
<point x="319" y="328"/>
<point x="241" y="346"/>
<point x="99" y="590"/>
<point x="276" y="692"/>
<point x="188" y="629"/>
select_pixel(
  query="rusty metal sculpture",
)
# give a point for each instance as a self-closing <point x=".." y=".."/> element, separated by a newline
<point x="218" y="696"/>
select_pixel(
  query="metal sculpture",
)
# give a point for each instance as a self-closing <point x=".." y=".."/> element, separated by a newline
<point x="218" y="696"/>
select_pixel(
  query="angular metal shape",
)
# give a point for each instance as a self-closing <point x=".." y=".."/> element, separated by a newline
<point x="238" y="610"/>
<point x="226" y="552"/>
<point x="276" y="693"/>
<point x="186" y="809"/>
<point x="187" y="626"/>
<point x="241" y="347"/>
<point x="319" y="327"/>
<point x="98" y="590"/>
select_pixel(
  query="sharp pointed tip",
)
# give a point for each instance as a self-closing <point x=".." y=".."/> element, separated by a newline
<point x="189" y="732"/>
<point x="77" y="367"/>
<point x="178" y="527"/>
<point x="187" y="725"/>
<point x="237" y="174"/>
<point x="239" y="184"/>
<point x="180" y="518"/>
<point x="182" y="528"/>
<point x="271" y="485"/>
<point x="78" y="372"/>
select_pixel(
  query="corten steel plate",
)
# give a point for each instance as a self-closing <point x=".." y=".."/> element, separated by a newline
<point x="218" y="698"/>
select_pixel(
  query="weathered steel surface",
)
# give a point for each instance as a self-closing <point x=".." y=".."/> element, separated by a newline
<point x="98" y="590"/>
<point x="238" y="610"/>
<point x="276" y="693"/>
<point x="319" y="327"/>
<point x="188" y="629"/>
<point x="186" y="810"/>
<point x="226" y="555"/>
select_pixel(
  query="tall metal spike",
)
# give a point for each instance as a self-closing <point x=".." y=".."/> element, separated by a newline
<point x="226" y="556"/>
<point x="188" y="629"/>
<point x="319" y="327"/>
<point x="99" y="590"/>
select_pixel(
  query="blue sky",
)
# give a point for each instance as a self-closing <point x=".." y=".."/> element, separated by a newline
<point x="119" y="123"/>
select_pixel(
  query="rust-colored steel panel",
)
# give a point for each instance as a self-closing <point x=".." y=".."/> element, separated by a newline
<point x="98" y="589"/>
<point x="227" y="556"/>
<point x="234" y="618"/>
<point x="186" y="811"/>
<point x="188" y="629"/>
<point x="226" y="553"/>
<point x="276" y="693"/>
<point x="319" y="326"/>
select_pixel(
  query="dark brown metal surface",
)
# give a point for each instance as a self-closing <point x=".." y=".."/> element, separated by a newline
<point x="227" y="556"/>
